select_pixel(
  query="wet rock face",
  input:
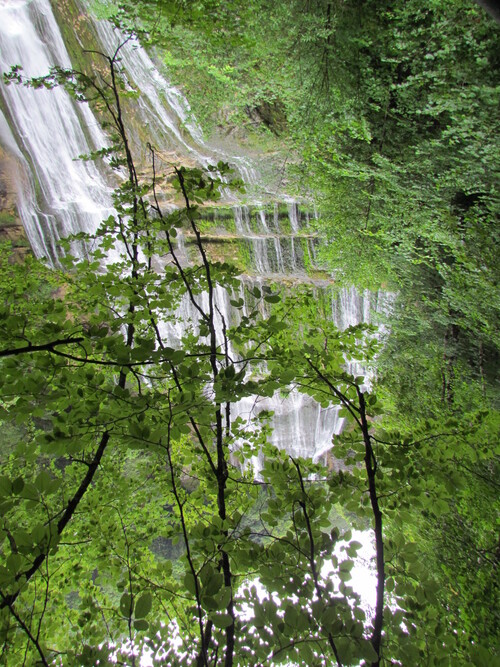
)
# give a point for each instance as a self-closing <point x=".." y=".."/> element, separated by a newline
<point x="11" y="228"/>
<point x="3" y="192"/>
<point x="7" y="191"/>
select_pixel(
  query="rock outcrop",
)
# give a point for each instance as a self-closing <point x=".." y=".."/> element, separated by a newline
<point x="11" y="228"/>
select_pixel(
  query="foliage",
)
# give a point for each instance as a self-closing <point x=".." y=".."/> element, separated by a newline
<point x="131" y="440"/>
<point x="392" y="111"/>
<point x="390" y="117"/>
<point x="234" y="67"/>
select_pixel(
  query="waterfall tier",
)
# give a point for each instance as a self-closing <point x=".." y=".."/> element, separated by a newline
<point x="46" y="130"/>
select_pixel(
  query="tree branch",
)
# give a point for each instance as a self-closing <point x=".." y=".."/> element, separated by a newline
<point x="45" y="347"/>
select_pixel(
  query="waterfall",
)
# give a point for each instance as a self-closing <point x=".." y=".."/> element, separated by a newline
<point x="351" y="307"/>
<point x="59" y="195"/>
<point x="164" y="111"/>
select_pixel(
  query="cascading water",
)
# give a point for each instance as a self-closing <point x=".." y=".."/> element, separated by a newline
<point x="164" y="111"/>
<point x="46" y="130"/>
<point x="59" y="195"/>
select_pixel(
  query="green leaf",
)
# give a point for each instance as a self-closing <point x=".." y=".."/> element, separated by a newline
<point x="291" y="616"/>
<point x="5" y="486"/>
<point x="143" y="605"/>
<point x="40" y="533"/>
<point x="13" y="563"/>
<point x="17" y="486"/>
<point x="135" y="429"/>
<point x="22" y="538"/>
<point x="29" y="492"/>
<point x="368" y="652"/>
<point x="141" y="625"/>
<point x="329" y="617"/>
<point x="222" y="620"/>
<point x="43" y="482"/>
<point x="126" y="605"/>
<point x="353" y="548"/>
<point x="272" y="298"/>
<point x="214" y="584"/>
<point x="224" y="597"/>
<point x="344" y="575"/>
<point x="189" y="583"/>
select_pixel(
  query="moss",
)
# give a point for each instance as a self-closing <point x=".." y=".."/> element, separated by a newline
<point x="21" y="243"/>
<point x="13" y="240"/>
<point x="221" y="249"/>
<point x="8" y="219"/>
<point x="246" y="257"/>
<point x="215" y="218"/>
<point x="77" y="33"/>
